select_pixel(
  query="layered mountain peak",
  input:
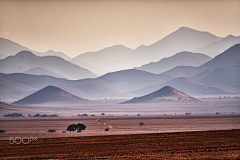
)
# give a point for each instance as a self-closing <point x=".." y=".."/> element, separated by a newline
<point x="25" y="54"/>
<point x="50" y="94"/>
<point x="166" y="93"/>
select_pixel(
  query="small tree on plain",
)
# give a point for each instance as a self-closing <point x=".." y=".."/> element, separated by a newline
<point x="141" y="124"/>
<point x="80" y="127"/>
<point x="71" y="127"/>
<point x="102" y="114"/>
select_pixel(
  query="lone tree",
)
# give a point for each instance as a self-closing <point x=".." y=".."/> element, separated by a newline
<point x="141" y="124"/>
<point x="80" y="127"/>
<point x="74" y="127"/>
<point x="102" y="114"/>
<point x="71" y="127"/>
<point x="106" y="129"/>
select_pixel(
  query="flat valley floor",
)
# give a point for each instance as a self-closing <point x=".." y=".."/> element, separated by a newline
<point x="221" y="144"/>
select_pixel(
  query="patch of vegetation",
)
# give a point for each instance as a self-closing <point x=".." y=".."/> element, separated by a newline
<point x="51" y="131"/>
<point x="82" y="115"/>
<point x="141" y="124"/>
<point x="2" y="131"/>
<point x="44" y="115"/>
<point x="79" y="127"/>
<point x="14" y="115"/>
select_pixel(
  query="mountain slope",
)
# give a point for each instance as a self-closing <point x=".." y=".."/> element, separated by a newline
<point x="128" y="80"/>
<point x="18" y="85"/>
<point x="185" y="71"/>
<point x="227" y="59"/>
<point x="179" y="59"/>
<point x="166" y="93"/>
<point x="186" y="85"/>
<point x="50" y="95"/>
<point x="9" y="48"/>
<point x="104" y="56"/>
<point x="184" y="39"/>
<point x="26" y="60"/>
<point x="215" y="48"/>
<point x="224" y="78"/>
<point x="42" y="71"/>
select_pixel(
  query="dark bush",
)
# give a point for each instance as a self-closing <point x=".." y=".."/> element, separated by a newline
<point x="2" y="131"/>
<point x="51" y="131"/>
<point x="14" y="115"/>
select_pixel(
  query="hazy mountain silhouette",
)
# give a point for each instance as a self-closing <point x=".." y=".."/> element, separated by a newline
<point x="215" y="48"/>
<point x="185" y="71"/>
<point x="42" y="71"/>
<point x="9" y="48"/>
<point x="51" y="95"/>
<point x="26" y="60"/>
<point x="92" y="90"/>
<point x="166" y="93"/>
<point x="104" y="56"/>
<point x="18" y="85"/>
<point x="179" y="59"/>
<point x="83" y="64"/>
<point x="184" y="39"/>
<point x="223" y="78"/>
<point x="128" y="80"/>
<point x="186" y="85"/>
<point x="227" y="59"/>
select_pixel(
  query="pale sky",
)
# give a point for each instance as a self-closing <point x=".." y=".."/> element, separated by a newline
<point x="74" y="27"/>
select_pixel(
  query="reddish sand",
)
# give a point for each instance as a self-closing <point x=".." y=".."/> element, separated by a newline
<point x="221" y="144"/>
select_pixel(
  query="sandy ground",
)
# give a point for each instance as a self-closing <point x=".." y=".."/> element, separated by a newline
<point x="205" y="107"/>
<point x="38" y="127"/>
<point x="222" y="144"/>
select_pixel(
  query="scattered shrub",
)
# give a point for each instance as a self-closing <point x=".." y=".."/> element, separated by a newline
<point x="2" y="131"/>
<point x="14" y="115"/>
<point x="45" y="115"/>
<point x="51" y="131"/>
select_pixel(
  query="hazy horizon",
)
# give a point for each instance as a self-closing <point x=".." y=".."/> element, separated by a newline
<point x="76" y="27"/>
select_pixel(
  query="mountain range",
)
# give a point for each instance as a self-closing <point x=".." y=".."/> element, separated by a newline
<point x="26" y="60"/>
<point x="179" y="59"/>
<point x="215" y="48"/>
<point x="192" y="73"/>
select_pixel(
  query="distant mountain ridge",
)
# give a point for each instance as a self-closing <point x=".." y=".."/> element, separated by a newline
<point x="26" y="60"/>
<point x="215" y="48"/>
<point x="164" y="94"/>
<point x="179" y="59"/>
<point x="184" y="39"/>
<point x="10" y="48"/>
<point x="227" y="59"/>
<point x="186" y="85"/>
<point x="42" y="71"/>
<point x="104" y="56"/>
<point x="49" y="95"/>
